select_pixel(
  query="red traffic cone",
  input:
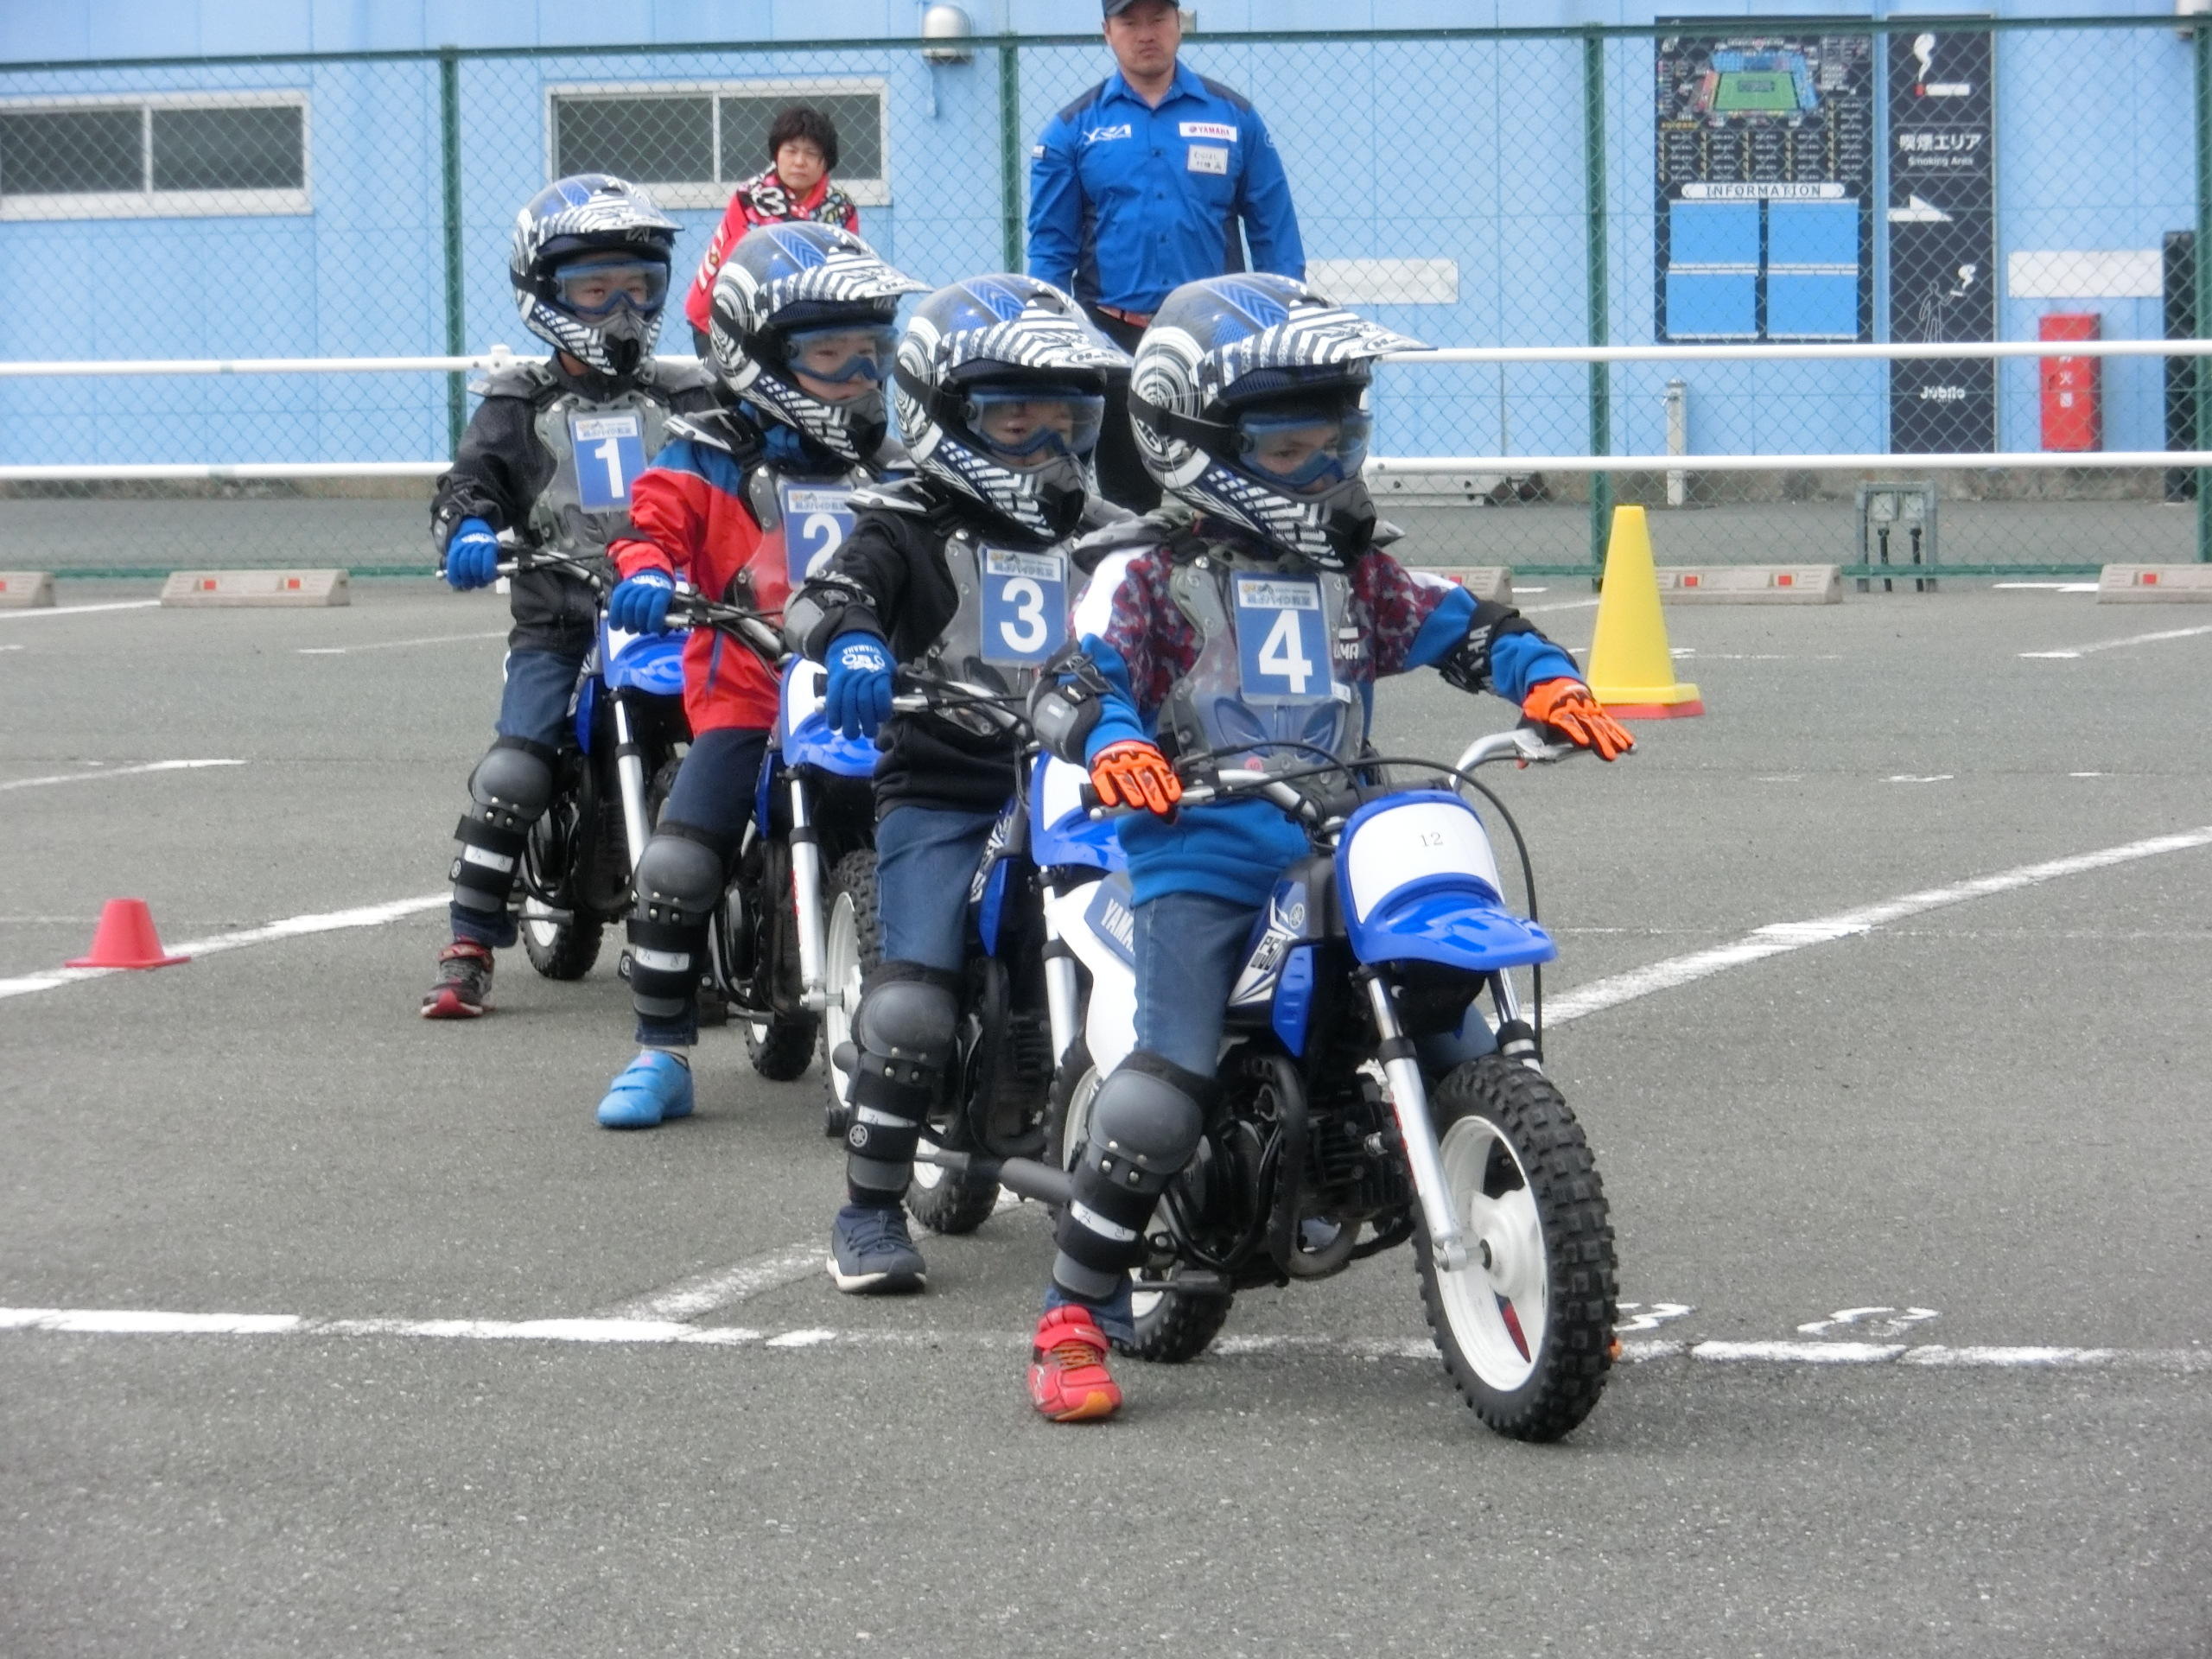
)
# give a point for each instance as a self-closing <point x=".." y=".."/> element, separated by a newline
<point x="125" y="938"/>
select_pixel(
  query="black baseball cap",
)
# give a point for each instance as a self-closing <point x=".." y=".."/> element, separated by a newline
<point x="1115" y="8"/>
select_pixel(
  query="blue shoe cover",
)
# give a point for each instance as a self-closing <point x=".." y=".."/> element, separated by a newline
<point x="651" y="1088"/>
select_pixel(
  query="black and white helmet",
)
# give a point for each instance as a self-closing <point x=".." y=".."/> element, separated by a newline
<point x="1001" y="391"/>
<point x="1250" y="404"/>
<point x="590" y="266"/>
<point x="800" y="302"/>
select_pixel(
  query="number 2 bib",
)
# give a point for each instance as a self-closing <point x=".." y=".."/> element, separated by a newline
<point x="818" y="517"/>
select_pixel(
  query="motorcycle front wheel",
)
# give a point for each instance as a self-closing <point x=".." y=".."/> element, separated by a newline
<point x="560" y="942"/>
<point x="1525" y="1326"/>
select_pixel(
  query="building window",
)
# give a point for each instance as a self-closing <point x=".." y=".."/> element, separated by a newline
<point x="185" y="155"/>
<point x="691" y="145"/>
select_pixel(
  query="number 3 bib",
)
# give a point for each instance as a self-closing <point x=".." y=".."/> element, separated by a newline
<point x="1025" y="606"/>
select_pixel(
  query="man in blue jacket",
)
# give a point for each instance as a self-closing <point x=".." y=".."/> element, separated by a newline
<point x="1137" y="188"/>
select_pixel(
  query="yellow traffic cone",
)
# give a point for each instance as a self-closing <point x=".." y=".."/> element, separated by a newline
<point x="1632" y="673"/>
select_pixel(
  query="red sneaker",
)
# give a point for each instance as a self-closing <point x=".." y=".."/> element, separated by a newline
<point x="1068" y="1379"/>
<point x="464" y="987"/>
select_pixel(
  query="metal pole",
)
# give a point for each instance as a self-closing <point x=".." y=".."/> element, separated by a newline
<point x="450" y="146"/>
<point x="1010" y="156"/>
<point x="2203" y="43"/>
<point x="1678" y="439"/>
<point x="1601" y="389"/>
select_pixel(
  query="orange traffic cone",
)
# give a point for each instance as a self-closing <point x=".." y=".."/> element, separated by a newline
<point x="1631" y="671"/>
<point x="125" y="938"/>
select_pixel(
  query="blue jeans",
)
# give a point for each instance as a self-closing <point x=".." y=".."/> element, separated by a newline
<point x="1189" y="947"/>
<point x="533" y="706"/>
<point x="925" y="857"/>
<point x="713" y="795"/>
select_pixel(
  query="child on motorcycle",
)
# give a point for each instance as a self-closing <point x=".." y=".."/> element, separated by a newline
<point x="802" y="332"/>
<point x="1001" y="386"/>
<point x="1250" y="634"/>
<point x="589" y="265"/>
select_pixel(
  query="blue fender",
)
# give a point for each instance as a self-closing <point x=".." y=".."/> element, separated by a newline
<point x="652" y="664"/>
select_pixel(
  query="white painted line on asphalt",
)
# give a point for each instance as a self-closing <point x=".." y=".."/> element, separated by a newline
<point x="1931" y="778"/>
<point x="79" y="610"/>
<point x="116" y="771"/>
<point x="291" y="927"/>
<point x="132" y="1322"/>
<point x="1560" y="605"/>
<point x="394" y="644"/>
<point x="1779" y="938"/>
<point x="689" y="1298"/>
<point x="2045" y="586"/>
<point x="2115" y="644"/>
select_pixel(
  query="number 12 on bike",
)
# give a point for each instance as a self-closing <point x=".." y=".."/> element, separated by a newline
<point x="610" y="453"/>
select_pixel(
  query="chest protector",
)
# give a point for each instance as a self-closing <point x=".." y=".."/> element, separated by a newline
<point x="803" y="522"/>
<point x="599" y="450"/>
<point x="1277" y="681"/>
<point x="1012" y="614"/>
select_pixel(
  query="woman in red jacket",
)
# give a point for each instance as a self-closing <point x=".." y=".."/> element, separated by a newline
<point x="802" y="154"/>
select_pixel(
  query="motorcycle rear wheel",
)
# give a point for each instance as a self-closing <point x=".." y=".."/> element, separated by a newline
<point x="1526" y="1327"/>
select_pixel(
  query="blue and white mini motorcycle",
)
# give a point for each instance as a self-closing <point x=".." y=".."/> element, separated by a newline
<point x="1345" y="1127"/>
<point x="627" y="731"/>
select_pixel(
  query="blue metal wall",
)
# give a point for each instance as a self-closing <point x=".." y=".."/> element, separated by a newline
<point x="1472" y="152"/>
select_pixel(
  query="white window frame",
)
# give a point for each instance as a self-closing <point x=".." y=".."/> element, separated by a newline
<point x="864" y="193"/>
<point x="167" y="204"/>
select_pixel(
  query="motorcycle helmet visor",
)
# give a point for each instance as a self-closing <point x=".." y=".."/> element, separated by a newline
<point x="1026" y="426"/>
<point x="850" y="357"/>
<point x="593" y="288"/>
<point x="1303" y="447"/>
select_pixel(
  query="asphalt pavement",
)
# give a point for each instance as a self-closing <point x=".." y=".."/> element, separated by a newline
<point x="324" y="1329"/>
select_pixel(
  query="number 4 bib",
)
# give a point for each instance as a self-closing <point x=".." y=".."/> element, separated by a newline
<point x="1025" y="606"/>
<point x="1282" y="643"/>
<point x="610" y="453"/>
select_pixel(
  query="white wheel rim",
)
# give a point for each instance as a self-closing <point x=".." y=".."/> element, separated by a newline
<point x="841" y="961"/>
<point x="1071" y="1137"/>
<point x="544" y="932"/>
<point x="1506" y="1284"/>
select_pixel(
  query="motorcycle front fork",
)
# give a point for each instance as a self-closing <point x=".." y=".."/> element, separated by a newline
<point x="806" y="897"/>
<point x="629" y="774"/>
<point x="1063" y="995"/>
<point x="1448" y="1241"/>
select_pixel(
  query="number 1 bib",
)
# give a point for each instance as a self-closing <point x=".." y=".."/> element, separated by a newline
<point x="1025" y="606"/>
<point x="816" y="519"/>
<point x="610" y="452"/>
<point x="1283" y="639"/>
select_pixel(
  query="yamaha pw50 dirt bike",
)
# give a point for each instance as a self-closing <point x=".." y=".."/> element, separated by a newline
<point x="1021" y="989"/>
<point x="1331" y="1140"/>
<point x="627" y="731"/>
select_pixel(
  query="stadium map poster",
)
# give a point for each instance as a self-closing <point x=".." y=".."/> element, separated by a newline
<point x="1942" y="239"/>
<point x="1766" y="168"/>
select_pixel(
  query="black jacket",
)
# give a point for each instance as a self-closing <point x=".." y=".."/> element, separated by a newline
<point x="502" y="466"/>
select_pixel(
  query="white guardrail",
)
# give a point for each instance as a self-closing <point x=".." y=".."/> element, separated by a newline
<point x="1403" y="467"/>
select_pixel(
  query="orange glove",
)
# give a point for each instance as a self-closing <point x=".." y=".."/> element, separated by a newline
<point x="1133" y="773"/>
<point x="1568" y="708"/>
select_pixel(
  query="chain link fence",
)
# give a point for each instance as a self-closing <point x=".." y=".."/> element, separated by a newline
<point x="1758" y="184"/>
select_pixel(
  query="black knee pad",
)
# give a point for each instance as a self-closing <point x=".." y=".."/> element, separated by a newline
<point x="679" y="882"/>
<point x="903" y="1031"/>
<point x="510" y="788"/>
<point x="1144" y="1126"/>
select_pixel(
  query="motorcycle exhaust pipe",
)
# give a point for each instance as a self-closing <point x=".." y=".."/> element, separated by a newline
<point x="1045" y="1183"/>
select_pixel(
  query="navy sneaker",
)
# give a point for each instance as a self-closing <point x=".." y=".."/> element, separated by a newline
<point x="871" y="1252"/>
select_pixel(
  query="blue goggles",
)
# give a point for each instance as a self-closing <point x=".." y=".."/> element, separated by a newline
<point x="1303" y="452"/>
<point x="1029" y="424"/>
<point x="594" y="290"/>
<point x="841" y="352"/>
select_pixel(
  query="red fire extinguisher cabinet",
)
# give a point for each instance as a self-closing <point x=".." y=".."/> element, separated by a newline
<point x="2072" y="392"/>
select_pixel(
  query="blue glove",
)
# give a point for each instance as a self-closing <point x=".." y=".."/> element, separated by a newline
<point x="639" y="603"/>
<point x="472" y="556"/>
<point x="857" y="697"/>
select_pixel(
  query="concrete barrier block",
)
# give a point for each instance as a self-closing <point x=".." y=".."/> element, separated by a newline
<point x="22" y="590"/>
<point x="203" y="587"/>
<point x="1751" y="584"/>
<point x="2155" y="584"/>
<point x="1493" y="581"/>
